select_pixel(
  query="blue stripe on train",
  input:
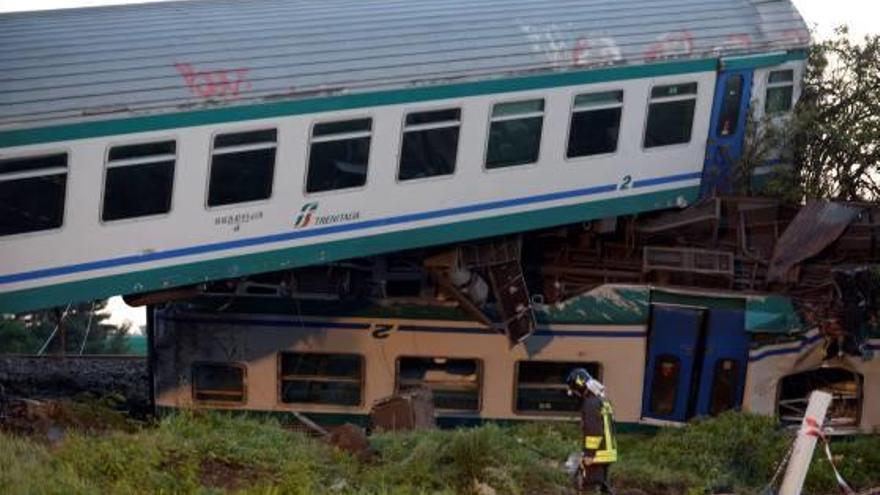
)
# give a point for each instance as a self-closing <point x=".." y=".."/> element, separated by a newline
<point x="334" y="229"/>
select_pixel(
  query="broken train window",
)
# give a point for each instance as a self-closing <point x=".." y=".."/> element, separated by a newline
<point x="311" y="378"/>
<point x="541" y="388"/>
<point x="845" y="387"/>
<point x="218" y="382"/>
<point x="455" y="383"/>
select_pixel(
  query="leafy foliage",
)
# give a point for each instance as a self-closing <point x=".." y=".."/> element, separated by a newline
<point x="833" y="137"/>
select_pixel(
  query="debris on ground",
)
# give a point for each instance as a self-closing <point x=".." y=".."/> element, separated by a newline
<point x="412" y="410"/>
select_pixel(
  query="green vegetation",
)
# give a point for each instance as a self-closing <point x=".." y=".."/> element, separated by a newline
<point x="831" y="138"/>
<point x="220" y="453"/>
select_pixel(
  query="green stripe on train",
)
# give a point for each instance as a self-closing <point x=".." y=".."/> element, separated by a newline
<point x="114" y="127"/>
<point x="237" y="266"/>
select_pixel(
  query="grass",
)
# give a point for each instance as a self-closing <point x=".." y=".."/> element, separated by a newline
<point x="214" y="453"/>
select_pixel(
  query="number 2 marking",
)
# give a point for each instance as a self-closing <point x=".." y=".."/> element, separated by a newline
<point x="625" y="183"/>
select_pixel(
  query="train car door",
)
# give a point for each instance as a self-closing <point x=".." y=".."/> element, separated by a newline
<point x="673" y="344"/>
<point x="730" y="111"/>
<point x="725" y="358"/>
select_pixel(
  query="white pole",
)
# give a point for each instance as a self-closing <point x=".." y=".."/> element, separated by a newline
<point x="805" y="444"/>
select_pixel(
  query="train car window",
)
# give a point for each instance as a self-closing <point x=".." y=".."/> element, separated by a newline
<point x="430" y="144"/>
<point x="540" y="386"/>
<point x="138" y="180"/>
<point x="242" y="167"/>
<point x="671" y="115"/>
<point x="725" y="382"/>
<point x="595" y="124"/>
<point x="664" y="389"/>
<point x="729" y="117"/>
<point x="455" y="383"/>
<point x="515" y="133"/>
<point x="845" y="386"/>
<point x="310" y="378"/>
<point x="218" y="382"/>
<point x="780" y="92"/>
<point x="32" y="192"/>
<point x="339" y="155"/>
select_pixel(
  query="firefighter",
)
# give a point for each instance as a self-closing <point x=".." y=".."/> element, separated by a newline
<point x="597" y="426"/>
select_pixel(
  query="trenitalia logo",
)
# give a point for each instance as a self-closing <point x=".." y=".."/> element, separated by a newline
<point x="305" y="215"/>
<point x="308" y="216"/>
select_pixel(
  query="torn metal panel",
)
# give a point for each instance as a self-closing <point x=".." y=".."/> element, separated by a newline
<point x="605" y="305"/>
<point x="512" y="299"/>
<point x="704" y="212"/>
<point x="815" y="227"/>
<point x="456" y="273"/>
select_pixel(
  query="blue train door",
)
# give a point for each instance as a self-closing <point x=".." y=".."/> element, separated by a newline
<point x="696" y="362"/>
<point x="674" y="337"/>
<point x="730" y="110"/>
<point x="725" y="357"/>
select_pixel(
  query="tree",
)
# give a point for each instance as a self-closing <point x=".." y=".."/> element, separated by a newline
<point x="834" y="133"/>
<point x="26" y="333"/>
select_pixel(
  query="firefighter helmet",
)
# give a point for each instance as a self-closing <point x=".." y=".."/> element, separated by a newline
<point x="577" y="381"/>
<point x="580" y="382"/>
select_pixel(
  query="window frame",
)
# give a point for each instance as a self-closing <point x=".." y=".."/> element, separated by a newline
<point x="308" y="153"/>
<point x="490" y="120"/>
<point x="771" y="85"/>
<point x="402" y="134"/>
<point x="860" y="398"/>
<point x="362" y="382"/>
<point x="68" y="153"/>
<point x="107" y="166"/>
<point x="216" y="403"/>
<point x="572" y="111"/>
<point x="564" y="414"/>
<point x="668" y="99"/>
<point x="481" y="368"/>
<point x="241" y="130"/>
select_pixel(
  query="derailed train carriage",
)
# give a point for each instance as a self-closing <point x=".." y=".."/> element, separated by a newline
<point x="665" y="355"/>
<point x="149" y="147"/>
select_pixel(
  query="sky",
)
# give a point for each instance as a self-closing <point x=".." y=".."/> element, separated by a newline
<point x="862" y="16"/>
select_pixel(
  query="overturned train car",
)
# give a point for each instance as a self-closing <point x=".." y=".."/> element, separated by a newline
<point x="665" y="356"/>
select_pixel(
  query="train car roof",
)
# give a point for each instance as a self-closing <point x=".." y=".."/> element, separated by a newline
<point x="77" y="65"/>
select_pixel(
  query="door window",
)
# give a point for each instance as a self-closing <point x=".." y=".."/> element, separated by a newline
<point x="665" y="385"/>
<point x="724" y="386"/>
<point x="730" y="108"/>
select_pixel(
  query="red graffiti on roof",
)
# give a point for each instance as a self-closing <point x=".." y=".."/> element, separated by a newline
<point x="678" y="44"/>
<point x="218" y="83"/>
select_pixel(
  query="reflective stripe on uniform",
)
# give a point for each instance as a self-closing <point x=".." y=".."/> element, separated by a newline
<point x="609" y="453"/>
<point x="592" y="443"/>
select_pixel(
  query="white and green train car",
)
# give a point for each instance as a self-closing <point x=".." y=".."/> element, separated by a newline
<point x="665" y="356"/>
<point x="147" y="147"/>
